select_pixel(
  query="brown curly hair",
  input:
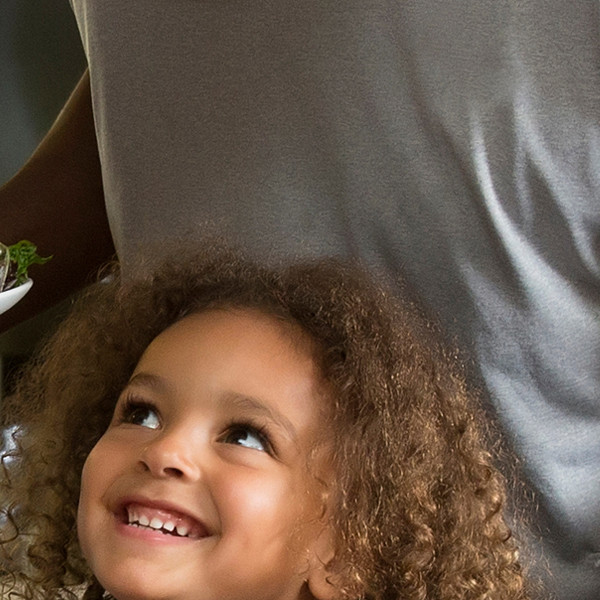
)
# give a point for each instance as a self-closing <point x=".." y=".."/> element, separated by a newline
<point x="418" y="502"/>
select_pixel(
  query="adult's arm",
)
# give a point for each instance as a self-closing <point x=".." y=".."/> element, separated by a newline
<point x="56" y="201"/>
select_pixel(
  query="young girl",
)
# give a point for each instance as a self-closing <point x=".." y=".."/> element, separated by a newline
<point x="218" y="430"/>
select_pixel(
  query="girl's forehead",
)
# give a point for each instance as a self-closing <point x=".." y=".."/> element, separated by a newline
<point x="254" y="321"/>
<point x="247" y="335"/>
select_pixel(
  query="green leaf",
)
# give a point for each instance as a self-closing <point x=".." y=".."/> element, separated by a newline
<point x="24" y="254"/>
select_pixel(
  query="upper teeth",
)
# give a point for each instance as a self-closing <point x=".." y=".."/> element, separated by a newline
<point x="157" y="523"/>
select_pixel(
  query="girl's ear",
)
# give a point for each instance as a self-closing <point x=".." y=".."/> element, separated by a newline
<point x="322" y="581"/>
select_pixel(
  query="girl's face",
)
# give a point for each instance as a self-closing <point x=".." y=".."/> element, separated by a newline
<point x="200" y="489"/>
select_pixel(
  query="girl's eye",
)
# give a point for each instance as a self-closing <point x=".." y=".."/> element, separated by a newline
<point x="247" y="436"/>
<point x="140" y="413"/>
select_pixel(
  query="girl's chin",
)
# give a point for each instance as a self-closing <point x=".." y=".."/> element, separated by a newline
<point x="136" y="590"/>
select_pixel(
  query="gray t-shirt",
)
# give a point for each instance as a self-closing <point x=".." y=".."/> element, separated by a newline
<point x="454" y="142"/>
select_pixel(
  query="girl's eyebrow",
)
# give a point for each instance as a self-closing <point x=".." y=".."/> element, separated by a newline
<point x="154" y="382"/>
<point x="243" y="402"/>
<point x="258" y="407"/>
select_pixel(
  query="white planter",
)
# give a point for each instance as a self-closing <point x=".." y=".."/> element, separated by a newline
<point x="10" y="297"/>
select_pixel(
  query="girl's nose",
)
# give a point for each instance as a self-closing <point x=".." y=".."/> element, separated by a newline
<point x="172" y="454"/>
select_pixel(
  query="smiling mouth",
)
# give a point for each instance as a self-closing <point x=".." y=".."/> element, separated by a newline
<point x="166" y="522"/>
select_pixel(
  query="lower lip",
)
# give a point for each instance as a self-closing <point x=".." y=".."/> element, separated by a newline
<point x="150" y="536"/>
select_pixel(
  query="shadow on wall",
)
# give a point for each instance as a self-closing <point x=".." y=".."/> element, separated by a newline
<point x="41" y="59"/>
<point x="49" y="55"/>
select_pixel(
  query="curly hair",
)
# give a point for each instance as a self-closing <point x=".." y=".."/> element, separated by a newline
<point x="418" y="503"/>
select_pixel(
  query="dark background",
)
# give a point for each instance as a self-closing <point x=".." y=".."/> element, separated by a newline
<point x="41" y="60"/>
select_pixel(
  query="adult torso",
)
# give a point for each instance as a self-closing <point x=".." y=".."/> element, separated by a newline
<point x="454" y="143"/>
